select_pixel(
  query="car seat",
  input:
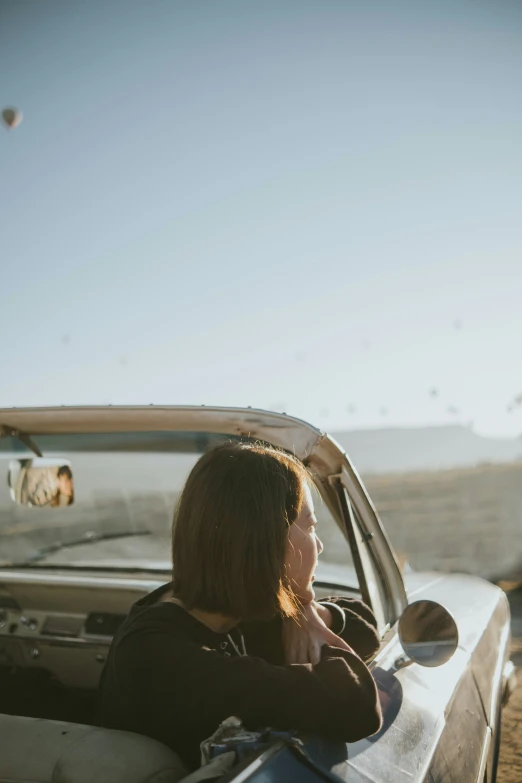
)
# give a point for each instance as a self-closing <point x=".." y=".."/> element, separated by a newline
<point x="50" y="751"/>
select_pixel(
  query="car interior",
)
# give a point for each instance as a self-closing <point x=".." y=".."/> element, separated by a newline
<point x="55" y="632"/>
<point x="68" y="577"/>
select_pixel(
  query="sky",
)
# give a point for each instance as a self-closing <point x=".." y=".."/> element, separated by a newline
<point x="313" y="207"/>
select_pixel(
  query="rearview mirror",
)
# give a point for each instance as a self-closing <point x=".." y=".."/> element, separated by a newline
<point x="41" y="482"/>
<point x="428" y="633"/>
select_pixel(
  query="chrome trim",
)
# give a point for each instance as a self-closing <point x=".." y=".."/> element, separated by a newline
<point x="484" y="756"/>
<point x="378" y="541"/>
<point x="101" y="579"/>
<point x="62" y="641"/>
<point x="256" y="763"/>
<point x="497" y="693"/>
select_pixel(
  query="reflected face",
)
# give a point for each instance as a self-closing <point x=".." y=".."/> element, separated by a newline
<point x="65" y="485"/>
<point x="302" y="550"/>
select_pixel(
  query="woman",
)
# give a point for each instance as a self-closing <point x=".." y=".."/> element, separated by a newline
<point x="238" y="631"/>
<point x="64" y="487"/>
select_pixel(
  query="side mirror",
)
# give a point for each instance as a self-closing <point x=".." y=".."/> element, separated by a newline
<point x="428" y="634"/>
<point x="41" y="482"/>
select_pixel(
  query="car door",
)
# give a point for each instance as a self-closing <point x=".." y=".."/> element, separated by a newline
<point x="434" y="727"/>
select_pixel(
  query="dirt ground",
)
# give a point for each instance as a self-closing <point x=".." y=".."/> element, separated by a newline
<point x="510" y="767"/>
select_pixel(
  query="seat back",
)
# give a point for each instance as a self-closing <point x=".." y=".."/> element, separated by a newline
<point x="50" y="751"/>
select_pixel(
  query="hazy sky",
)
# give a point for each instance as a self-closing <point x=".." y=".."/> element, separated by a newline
<point x="308" y="206"/>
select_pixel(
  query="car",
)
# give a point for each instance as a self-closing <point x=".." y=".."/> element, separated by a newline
<point x="75" y="555"/>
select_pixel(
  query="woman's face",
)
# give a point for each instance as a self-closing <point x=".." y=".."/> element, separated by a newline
<point x="65" y="485"/>
<point x="302" y="550"/>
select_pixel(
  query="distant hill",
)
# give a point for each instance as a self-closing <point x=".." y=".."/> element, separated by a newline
<point x="425" y="448"/>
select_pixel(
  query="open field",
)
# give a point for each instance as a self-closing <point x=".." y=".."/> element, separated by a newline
<point x="467" y="520"/>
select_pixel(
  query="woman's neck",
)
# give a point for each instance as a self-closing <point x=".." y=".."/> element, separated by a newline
<point x="216" y="622"/>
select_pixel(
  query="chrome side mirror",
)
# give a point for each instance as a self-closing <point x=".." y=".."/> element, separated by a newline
<point x="428" y="634"/>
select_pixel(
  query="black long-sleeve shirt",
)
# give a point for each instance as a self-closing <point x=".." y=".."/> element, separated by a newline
<point x="170" y="677"/>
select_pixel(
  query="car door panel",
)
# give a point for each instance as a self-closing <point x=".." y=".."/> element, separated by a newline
<point x="435" y="725"/>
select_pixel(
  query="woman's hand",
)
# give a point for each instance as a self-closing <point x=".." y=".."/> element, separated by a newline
<point x="304" y="636"/>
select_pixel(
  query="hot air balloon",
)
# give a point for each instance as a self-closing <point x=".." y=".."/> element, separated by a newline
<point x="11" y="117"/>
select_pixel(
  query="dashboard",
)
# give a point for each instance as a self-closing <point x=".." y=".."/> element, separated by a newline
<point x="63" y="622"/>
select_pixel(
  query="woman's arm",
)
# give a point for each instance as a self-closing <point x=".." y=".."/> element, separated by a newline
<point x="282" y="641"/>
<point x="180" y="681"/>
<point x="306" y="635"/>
<point x="355" y="605"/>
<point x="360" y="625"/>
<point x="335" y="622"/>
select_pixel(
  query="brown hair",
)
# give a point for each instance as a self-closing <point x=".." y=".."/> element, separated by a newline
<point x="230" y="531"/>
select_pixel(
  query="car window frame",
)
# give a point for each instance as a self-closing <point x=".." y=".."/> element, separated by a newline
<point x="369" y="578"/>
<point x="376" y="564"/>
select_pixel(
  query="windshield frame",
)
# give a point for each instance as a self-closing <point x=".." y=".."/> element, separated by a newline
<point x="320" y="453"/>
<point x="151" y="442"/>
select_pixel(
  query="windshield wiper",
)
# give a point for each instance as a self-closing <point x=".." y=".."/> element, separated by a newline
<point x="88" y="538"/>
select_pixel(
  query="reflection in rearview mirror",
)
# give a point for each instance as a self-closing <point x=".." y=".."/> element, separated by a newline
<point x="41" y="482"/>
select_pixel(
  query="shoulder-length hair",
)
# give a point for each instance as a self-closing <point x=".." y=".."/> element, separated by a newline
<point x="230" y="531"/>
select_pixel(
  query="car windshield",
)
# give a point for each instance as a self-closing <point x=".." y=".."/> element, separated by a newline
<point x="125" y="490"/>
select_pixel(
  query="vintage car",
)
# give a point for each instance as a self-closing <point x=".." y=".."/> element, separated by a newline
<point x="85" y="513"/>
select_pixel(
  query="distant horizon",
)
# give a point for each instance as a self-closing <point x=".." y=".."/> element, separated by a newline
<point x="449" y="426"/>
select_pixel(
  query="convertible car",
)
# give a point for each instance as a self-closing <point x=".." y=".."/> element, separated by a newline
<point x="85" y="512"/>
